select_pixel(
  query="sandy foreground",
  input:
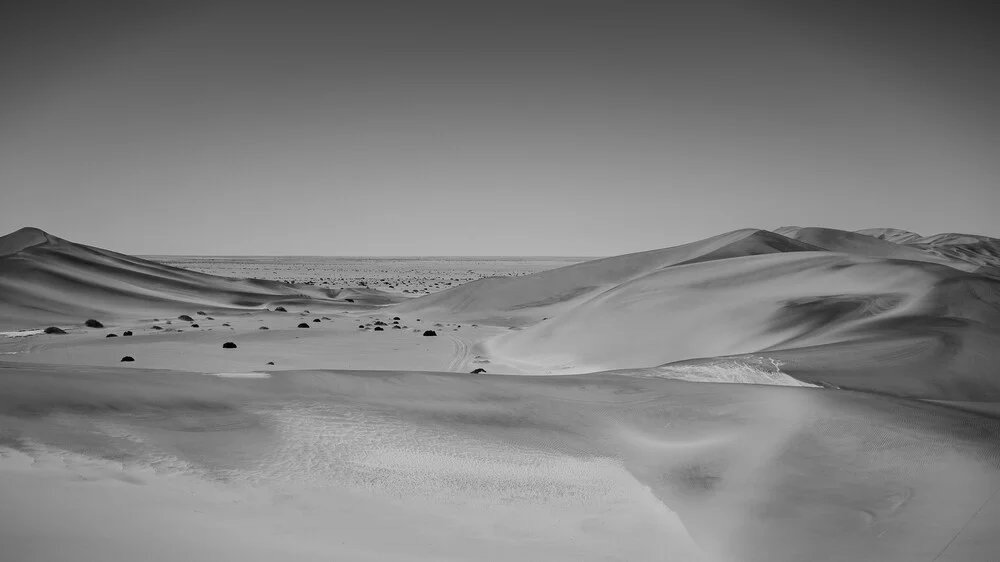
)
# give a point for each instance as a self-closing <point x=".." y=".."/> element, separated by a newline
<point x="863" y="423"/>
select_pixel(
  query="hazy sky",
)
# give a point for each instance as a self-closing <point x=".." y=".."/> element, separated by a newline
<point x="492" y="128"/>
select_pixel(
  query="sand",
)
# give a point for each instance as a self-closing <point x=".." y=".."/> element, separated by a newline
<point x="748" y="397"/>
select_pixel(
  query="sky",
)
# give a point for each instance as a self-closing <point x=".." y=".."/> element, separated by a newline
<point x="542" y="127"/>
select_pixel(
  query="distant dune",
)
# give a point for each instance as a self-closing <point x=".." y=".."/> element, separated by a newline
<point x="45" y="279"/>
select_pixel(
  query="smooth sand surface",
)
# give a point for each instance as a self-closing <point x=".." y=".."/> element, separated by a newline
<point x="116" y="464"/>
<point x="859" y="419"/>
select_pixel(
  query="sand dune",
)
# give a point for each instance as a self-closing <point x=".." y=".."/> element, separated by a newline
<point x="304" y="464"/>
<point x="859" y="420"/>
<point x="45" y="279"/>
<point x="982" y="252"/>
<point x="521" y="300"/>
<point x="923" y="327"/>
<point x="862" y="245"/>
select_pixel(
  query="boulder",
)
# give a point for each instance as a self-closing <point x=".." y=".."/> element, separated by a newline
<point x="430" y="333"/>
<point x="93" y="324"/>
<point x="263" y="328"/>
<point x="478" y="371"/>
<point x="127" y="333"/>
<point x="54" y="330"/>
<point x="127" y="359"/>
<point x="229" y="345"/>
<point x="280" y="309"/>
<point x="303" y="325"/>
<point x="111" y="336"/>
<point x="185" y="318"/>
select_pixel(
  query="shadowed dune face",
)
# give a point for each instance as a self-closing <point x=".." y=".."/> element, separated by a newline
<point x="689" y="471"/>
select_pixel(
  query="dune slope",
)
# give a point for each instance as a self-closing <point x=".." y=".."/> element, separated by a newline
<point x="45" y="279"/>
<point x="310" y="464"/>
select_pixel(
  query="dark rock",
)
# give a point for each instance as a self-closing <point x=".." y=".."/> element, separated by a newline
<point x="229" y="345"/>
<point x="395" y="327"/>
<point x="111" y="336"/>
<point x="263" y="328"/>
<point x="225" y="323"/>
<point x="270" y="362"/>
<point x="126" y="333"/>
<point x="185" y="318"/>
<point x="379" y="329"/>
<point x="361" y="326"/>
<point x="201" y="313"/>
<point x="280" y="309"/>
<point x="54" y="330"/>
<point x="93" y="324"/>
<point x="479" y="370"/>
<point x="430" y="333"/>
<point x="315" y="319"/>
<point x="127" y="359"/>
<point x="155" y="328"/>
<point x="195" y="326"/>
<point x="395" y="318"/>
<point x="303" y="325"/>
<point x="380" y="323"/>
<point x="349" y="300"/>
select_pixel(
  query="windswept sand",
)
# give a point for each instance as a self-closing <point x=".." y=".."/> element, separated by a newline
<point x="859" y="419"/>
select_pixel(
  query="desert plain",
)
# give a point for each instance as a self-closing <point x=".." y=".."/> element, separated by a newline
<point x="802" y="394"/>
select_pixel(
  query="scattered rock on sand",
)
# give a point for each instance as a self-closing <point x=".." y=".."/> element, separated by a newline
<point x="430" y="333"/>
<point x="478" y="371"/>
<point x="229" y="345"/>
<point x="185" y="318"/>
<point x="93" y="324"/>
<point x="127" y="359"/>
<point x="54" y="330"/>
<point x="303" y="325"/>
<point x="127" y="333"/>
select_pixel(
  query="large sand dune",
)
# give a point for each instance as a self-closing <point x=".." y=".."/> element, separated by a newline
<point x="925" y="327"/>
<point x="328" y="443"/>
